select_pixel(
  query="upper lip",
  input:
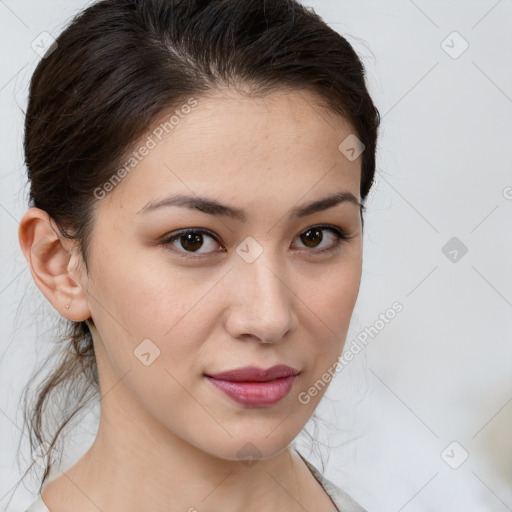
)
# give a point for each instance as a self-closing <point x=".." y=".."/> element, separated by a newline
<point x="255" y="374"/>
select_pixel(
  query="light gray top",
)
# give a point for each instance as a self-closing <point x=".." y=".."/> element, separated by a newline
<point x="341" y="499"/>
<point x="38" y="505"/>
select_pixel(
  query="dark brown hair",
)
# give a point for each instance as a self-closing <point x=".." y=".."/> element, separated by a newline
<point x="119" y="66"/>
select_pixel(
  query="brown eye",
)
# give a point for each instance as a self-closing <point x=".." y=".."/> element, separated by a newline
<point x="313" y="237"/>
<point x="190" y="241"/>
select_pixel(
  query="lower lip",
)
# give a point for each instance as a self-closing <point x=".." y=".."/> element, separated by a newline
<point x="255" y="394"/>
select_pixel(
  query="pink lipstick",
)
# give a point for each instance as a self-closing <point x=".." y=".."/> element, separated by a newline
<point x="255" y="387"/>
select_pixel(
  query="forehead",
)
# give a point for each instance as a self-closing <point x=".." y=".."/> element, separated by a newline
<point x="236" y="145"/>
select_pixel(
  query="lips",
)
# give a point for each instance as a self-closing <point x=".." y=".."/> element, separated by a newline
<point x="255" y="387"/>
<point x="255" y="374"/>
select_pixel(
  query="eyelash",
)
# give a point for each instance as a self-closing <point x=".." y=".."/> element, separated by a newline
<point x="339" y="234"/>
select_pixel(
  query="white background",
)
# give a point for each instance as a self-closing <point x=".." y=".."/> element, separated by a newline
<point x="441" y="370"/>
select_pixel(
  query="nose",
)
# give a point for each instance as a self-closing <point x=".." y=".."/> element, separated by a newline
<point x="261" y="301"/>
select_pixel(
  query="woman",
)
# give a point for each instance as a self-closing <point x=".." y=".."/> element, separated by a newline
<point x="198" y="171"/>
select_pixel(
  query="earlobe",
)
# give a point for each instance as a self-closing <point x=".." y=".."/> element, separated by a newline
<point x="49" y="258"/>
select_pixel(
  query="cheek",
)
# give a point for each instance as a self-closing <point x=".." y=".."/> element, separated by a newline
<point x="333" y="294"/>
<point x="170" y="308"/>
<point x="151" y="331"/>
<point x="144" y="296"/>
<point x="330" y="303"/>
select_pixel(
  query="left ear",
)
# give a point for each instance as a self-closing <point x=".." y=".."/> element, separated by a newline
<point x="53" y="261"/>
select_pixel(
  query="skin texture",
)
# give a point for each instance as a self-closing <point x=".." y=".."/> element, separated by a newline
<point x="168" y="439"/>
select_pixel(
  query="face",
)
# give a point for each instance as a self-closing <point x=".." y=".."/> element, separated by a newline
<point x="272" y="284"/>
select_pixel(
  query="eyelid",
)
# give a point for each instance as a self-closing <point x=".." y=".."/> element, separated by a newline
<point x="168" y="239"/>
<point x="340" y="234"/>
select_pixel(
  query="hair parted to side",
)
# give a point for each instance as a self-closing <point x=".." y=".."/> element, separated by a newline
<point x="119" y="66"/>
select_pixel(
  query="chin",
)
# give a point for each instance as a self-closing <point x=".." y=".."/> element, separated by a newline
<point x="247" y="449"/>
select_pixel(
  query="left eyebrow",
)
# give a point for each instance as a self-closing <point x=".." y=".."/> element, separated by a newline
<point x="213" y="207"/>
